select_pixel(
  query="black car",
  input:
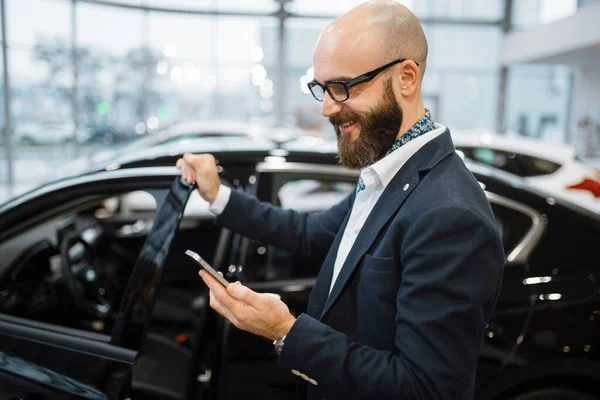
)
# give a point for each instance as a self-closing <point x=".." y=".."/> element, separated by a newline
<point x="99" y="301"/>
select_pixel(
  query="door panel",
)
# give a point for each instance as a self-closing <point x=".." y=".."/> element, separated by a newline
<point x="36" y="360"/>
<point x="46" y="361"/>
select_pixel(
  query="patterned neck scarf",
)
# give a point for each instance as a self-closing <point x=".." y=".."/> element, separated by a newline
<point x="423" y="125"/>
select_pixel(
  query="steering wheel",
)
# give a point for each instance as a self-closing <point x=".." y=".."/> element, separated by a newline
<point x="85" y="280"/>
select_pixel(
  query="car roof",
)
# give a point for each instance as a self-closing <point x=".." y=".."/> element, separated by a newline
<point x="163" y="154"/>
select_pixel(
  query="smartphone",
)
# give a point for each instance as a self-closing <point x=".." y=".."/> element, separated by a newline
<point x="207" y="267"/>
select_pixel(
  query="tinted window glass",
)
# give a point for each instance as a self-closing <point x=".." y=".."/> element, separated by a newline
<point x="312" y="195"/>
<point x="518" y="164"/>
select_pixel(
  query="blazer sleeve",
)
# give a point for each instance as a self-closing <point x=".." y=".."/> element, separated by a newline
<point x="308" y="234"/>
<point x="452" y="261"/>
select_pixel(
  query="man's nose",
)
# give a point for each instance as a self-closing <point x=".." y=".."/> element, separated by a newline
<point x="330" y="107"/>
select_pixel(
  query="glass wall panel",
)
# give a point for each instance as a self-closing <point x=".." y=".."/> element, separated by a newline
<point x="246" y="68"/>
<point x="254" y="6"/>
<point x="460" y="85"/>
<point x="302" y="109"/>
<point x="51" y="21"/>
<point x="538" y="101"/>
<point x="43" y="134"/>
<point x="461" y="82"/>
<point x="3" y="150"/>
<point x="40" y="76"/>
<point x="455" y="46"/>
<point x="110" y="30"/>
<point x="206" y="66"/>
<point x="114" y="73"/>
<point x="130" y="2"/>
<point x="468" y="100"/>
<point x="583" y="3"/>
<point x="455" y="9"/>
<point x="492" y="10"/>
<point x="529" y="13"/>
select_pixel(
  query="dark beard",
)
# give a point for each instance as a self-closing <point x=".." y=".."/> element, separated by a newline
<point x="378" y="130"/>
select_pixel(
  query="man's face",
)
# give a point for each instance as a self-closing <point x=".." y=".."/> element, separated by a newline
<point x="377" y="130"/>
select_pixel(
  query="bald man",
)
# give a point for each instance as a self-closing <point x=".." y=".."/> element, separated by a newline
<point x="413" y="262"/>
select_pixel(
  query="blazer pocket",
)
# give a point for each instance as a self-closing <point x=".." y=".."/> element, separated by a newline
<point x="381" y="264"/>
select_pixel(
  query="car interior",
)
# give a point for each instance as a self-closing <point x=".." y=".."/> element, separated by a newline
<point x="72" y="270"/>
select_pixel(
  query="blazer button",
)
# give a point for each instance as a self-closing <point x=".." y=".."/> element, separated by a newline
<point x="295" y="372"/>
<point x="313" y="382"/>
<point x="405" y="188"/>
<point x="304" y="377"/>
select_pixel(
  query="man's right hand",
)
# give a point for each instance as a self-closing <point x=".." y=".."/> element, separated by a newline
<point x="202" y="169"/>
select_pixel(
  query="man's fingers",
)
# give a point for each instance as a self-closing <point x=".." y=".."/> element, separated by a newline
<point x="190" y="175"/>
<point x="218" y="290"/>
<point x="221" y="309"/>
<point x="242" y="293"/>
<point x="212" y="283"/>
<point x="179" y="163"/>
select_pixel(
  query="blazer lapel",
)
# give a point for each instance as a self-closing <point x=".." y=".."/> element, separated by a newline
<point x="392" y="198"/>
<point x="387" y="205"/>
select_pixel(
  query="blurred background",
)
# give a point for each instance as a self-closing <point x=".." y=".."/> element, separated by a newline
<point x="85" y="77"/>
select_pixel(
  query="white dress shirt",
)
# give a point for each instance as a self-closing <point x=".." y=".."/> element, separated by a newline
<point x="376" y="177"/>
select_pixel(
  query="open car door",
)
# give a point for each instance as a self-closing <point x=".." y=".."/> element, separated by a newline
<point x="40" y="361"/>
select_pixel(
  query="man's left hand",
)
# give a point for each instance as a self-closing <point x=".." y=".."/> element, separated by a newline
<point x="257" y="313"/>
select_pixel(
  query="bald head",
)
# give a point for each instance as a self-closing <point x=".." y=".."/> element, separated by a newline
<point x="383" y="29"/>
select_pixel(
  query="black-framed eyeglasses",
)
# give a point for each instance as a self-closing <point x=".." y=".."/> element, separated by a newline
<point x="340" y="90"/>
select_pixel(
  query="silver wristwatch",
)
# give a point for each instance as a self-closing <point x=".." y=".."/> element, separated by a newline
<point x="278" y="344"/>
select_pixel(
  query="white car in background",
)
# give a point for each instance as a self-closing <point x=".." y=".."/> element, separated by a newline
<point x="47" y="132"/>
<point x="550" y="168"/>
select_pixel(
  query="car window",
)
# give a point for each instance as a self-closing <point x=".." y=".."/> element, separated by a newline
<point x="312" y="195"/>
<point x="265" y="263"/>
<point x="515" y="163"/>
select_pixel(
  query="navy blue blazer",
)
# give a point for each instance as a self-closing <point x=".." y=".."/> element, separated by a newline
<point x="407" y="313"/>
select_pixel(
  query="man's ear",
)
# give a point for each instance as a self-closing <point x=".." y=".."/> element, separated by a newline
<point x="408" y="78"/>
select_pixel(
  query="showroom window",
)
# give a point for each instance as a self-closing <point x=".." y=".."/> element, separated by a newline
<point x="40" y="75"/>
<point x="538" y="101"/>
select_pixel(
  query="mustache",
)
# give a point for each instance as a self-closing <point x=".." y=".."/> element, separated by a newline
<point x="337" y="120"/>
